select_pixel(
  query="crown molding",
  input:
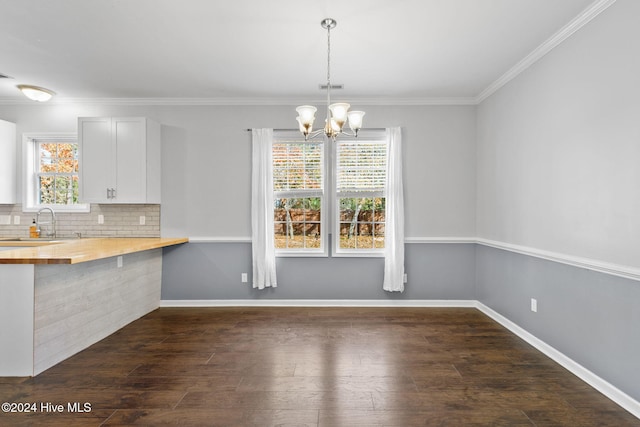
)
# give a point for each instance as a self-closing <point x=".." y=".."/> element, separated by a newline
<point x="564" y="33"/>
<point x="226" y="102"/>
<point x="560" y="36"/>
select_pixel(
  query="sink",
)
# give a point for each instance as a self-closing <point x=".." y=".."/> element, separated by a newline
<point x="32" y="241"/>
<point x="27" y="239"/>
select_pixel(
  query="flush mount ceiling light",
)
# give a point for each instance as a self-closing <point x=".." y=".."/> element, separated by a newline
<point x="36" y="93"/>
<point x="337" y="114"/>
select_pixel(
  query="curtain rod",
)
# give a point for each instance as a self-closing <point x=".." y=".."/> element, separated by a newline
<point x="277" y="130"/>
<point x="283" y="130"/>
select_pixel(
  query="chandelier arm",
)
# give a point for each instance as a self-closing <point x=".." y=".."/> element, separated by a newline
<point x="313" y="134"/>
<point x="333" y="136"/>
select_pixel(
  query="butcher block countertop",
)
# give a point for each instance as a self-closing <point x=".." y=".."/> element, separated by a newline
<point x="74" y="251"/>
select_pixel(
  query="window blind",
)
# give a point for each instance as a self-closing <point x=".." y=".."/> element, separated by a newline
<point x="297" y="166"/>
<point x="361" y="167"/>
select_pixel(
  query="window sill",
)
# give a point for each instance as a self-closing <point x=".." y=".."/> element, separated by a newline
<point x="358" y="254"/>
<point x="83" y="208"/>
<point x="301" y="254"/>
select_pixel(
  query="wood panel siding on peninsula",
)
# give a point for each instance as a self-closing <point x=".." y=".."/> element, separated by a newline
<point x="61" y="297"/>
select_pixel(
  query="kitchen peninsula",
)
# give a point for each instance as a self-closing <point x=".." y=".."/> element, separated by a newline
<point x="59" y="297"/>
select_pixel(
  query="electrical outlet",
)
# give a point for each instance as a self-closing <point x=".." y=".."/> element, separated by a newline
<point x="120" y="262"/>
<point x="16" y="220"/>
<point x="404" y="279"/>
<point x="100" y="219"/>
<point x="244" y="278"/>
<point x="5" y="219"/>
<point x="534" y="305"/>
<point x="143" y="220"/>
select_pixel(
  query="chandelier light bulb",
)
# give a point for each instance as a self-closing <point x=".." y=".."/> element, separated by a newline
<point x="355" y="120"/>
<point x="307" y="114"/>
<point x="339" y="112"/>
<point x="304" y="128"/>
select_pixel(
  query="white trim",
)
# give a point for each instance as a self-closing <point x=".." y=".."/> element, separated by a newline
<point x="236" y="239"/>
<point x="301" y="253"/>
<point x="277" y="101"/>
<point x="29" y="166"/>
<point x="318" y="303"/>
<point x="587" y="263"/>
<point x="564" y="33"/>
<point x="604" y="387"/>
<point x="440" y="240"/>
<point x="209" y="239"/>
<point x="575" y="261"/>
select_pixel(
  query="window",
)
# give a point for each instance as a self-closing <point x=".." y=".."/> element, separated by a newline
<point x="356" y="192"/>
<point x="298" y="184"/>
<point x="361" y="173"/>
<point x="51" y="172"/>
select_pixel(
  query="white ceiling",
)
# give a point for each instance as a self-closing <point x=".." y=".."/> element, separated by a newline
<point x="271" y="51"/>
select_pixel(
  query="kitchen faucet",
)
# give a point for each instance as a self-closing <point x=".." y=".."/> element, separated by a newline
<point x="52" y="232"/>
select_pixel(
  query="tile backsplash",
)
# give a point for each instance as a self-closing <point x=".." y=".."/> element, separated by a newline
<point x="119" y="221"/>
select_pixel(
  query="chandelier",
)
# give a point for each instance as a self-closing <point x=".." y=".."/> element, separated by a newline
<point x="337" y="114"/>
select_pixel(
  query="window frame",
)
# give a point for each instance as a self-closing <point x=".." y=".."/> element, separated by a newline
<point x="31" y="172"/>
<point x="330" y="206"/>
<point x="283" y="136"/>
<point x="363" y="137"/>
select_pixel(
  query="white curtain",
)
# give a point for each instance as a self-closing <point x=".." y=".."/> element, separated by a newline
<point x="394" y="229"/>
<point x="262" y="245"/>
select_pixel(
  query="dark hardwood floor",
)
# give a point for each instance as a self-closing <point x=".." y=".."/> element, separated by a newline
<point x="312" y="367"/>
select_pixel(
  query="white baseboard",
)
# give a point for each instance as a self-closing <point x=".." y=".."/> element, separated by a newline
<point x="318" y="303"/>
<point x="604" y="387"/>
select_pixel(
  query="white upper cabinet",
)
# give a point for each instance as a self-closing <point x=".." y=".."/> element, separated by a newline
<point x="119" y="160"/>
<point x="8" y="162"/>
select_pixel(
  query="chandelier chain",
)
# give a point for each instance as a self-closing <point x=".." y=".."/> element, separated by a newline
<point x="328" y="64"/>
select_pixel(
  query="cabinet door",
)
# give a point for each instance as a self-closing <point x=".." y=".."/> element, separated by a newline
<point x="7" y="162"/>
<point x="129" y="138"/>
<point x="96" y="159"/>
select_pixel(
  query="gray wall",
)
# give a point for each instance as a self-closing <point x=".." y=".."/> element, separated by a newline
<point x="558" y="175"/>
<point x="212" y="271"/>
<point x="590" y="317"/>
<point x="206" y="161"/>
<point x="206" y="175"/>
<point x="558" y="147"/>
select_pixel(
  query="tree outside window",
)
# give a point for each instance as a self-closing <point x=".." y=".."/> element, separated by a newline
<point x="57" y="173"/>
<point x="356" y="192"/>
<point x="361" y="170"/>
<point x="298" y="183"/>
